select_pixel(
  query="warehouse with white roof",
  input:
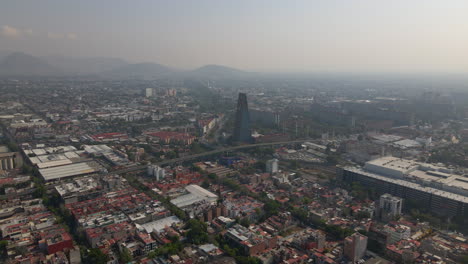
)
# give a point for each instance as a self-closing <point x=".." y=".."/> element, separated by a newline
<point x="66" y="171"/>
<point x="195" y="194"/>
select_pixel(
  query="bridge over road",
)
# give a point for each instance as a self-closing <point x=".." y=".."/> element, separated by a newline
<point x="207" y="153"/>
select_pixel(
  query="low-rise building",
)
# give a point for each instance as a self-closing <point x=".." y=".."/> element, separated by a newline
<point x="250" y="241"/>
<point x="396" y="232"/>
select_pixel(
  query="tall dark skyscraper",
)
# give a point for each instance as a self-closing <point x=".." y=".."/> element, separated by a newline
<point x="242" y="132"/>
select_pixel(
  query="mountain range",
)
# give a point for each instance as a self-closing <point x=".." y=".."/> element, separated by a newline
<point x="21" y="64"/>
<point x="25" y="65"/>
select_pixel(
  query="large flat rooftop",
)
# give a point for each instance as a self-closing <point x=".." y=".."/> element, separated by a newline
<point x="412" y="184"/>
<point x="195" y="194"/>
<point x="160" y="224"/>
<point x="423" y="173"/>
<point x="65" y="171"/>
<point x="77" y="185"/>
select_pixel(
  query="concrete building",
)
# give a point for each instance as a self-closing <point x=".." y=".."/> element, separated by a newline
<point x="355" y="247"/>
<point x="389" y="206"/>
<point x="9" y="160"/>
<point x="79" y="189"/>
<point x="149" y="92"/>
<point x="272" y="166"/>
<point x="171" y="92"/>
<point x="242" y="131"/>
<point x="156" y="171"/>
<point x="252" y="242"/>
<point x="168" y="137"/>
<point x="67" y="171"/>
<point x="159" y="225"/>
<point x="196" y="194"/>
<point x="206" y="125"/>
<point x="396" y="233"/>
<point x="437" y="188"/>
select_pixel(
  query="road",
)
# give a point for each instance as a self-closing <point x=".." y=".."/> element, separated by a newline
<point x="208" y="153"/>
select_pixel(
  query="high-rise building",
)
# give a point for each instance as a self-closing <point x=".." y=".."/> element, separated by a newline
<point x="156" y="171"/>
<point x="272" y="166"/>
<point x="355" y="247"/>
<point x="242" y="132"/>
<point x="171" y="92"/>
<point x="149" y="92"/>
<point x="389" y="206"/>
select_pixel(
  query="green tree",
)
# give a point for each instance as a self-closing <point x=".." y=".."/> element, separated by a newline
<point x="332" y="159"/>
<point x="26" y="169"/>
<point x="125" y="256"/>
<point x="40" y="191"/>
<point x="196" y="168"/>
<point x="213" y="176"/>
<point x="171" y="155"/>
<point x="167" y="249"/>
<point x="245" y="222"/>
<point x="260" y="165"/>
<point x="306" y="200"/>
<point x="95" y="256"/>
<point x="294" y="164"/>
<point x="271" y="207"/>
<point x="362" y="214"/>
<point x="196" y="148"/>
<point x="12" y="146"/>
<point x="247" y="260"/>
<point x="3" y="248"/>
<point x="205" y="184"/>
<point x="197" y="233"/>
<point x="464" y="259"/>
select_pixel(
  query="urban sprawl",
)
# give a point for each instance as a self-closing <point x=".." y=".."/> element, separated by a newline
<point x="229" y="171"/>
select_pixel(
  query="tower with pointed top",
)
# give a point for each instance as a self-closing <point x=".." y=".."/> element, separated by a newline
<point x="242" y="132"/>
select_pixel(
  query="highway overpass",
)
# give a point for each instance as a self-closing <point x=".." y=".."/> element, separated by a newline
<point x="207" y="153"/>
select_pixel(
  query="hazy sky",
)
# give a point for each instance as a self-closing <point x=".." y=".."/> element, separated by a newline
<point x="304" y="35"/>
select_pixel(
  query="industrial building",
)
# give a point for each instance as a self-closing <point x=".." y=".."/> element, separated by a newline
<point x="67" y="171"/>
<point x="10" y="160"/>
<point x="437" y="188"/>
<point x="159" y="225"/>
<point x="195" y="194"/>
<point x="47" y="157"/>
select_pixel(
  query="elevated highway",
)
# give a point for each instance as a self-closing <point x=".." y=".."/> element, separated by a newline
<point x="207" y="153"/>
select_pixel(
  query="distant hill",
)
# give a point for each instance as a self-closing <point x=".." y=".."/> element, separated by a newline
<point x="90" y="65"/>
<point x="4" y="54"/>
<point x="217" y="71"/>
<point x="21" y="64"/>
<point x="140" y="71"/>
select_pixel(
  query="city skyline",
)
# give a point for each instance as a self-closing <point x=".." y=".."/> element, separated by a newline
<point x="234" y="132"/>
